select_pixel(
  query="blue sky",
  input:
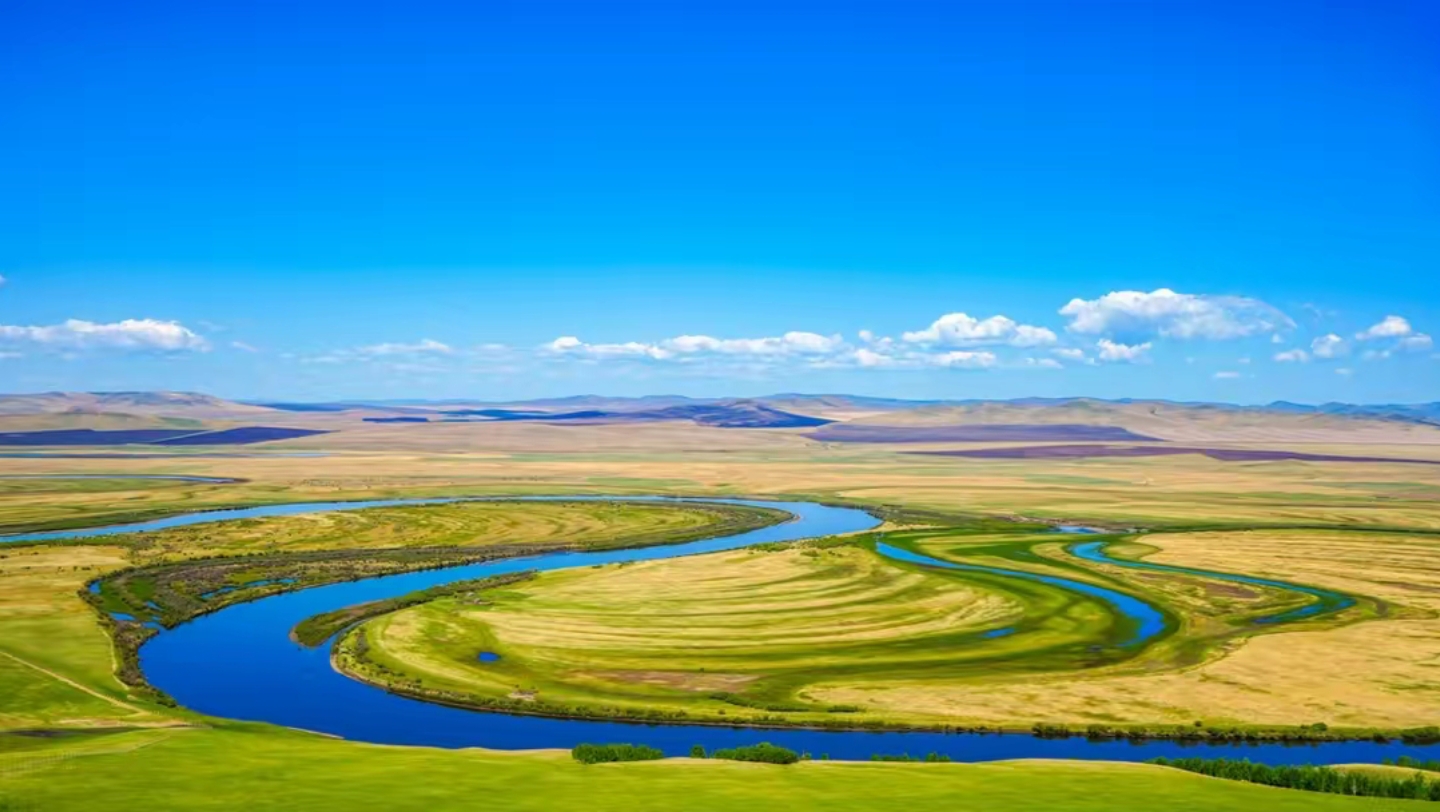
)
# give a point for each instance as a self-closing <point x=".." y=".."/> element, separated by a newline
<point x="501" y="200"/>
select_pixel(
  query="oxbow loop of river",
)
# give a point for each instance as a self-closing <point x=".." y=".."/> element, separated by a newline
<point x="240" y="663"/>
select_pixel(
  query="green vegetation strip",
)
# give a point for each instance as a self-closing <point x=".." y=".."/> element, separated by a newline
<point x="246" y="767"/>
<point x="1311" y="778"/>
<point x="315" y="630"/>
<point x="1428" y="765"/>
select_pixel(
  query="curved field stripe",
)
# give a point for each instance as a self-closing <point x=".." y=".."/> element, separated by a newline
<point x="1149" y="622"/>
<point x="1326" y="602"/>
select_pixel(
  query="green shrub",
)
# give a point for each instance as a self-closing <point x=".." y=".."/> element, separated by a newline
<point x="1313" y="779"/>
<point x="1428" y="765"/>
<point x="763" y="752"/>
<point x="931" y="758"/>
<point x="602" y="753"/>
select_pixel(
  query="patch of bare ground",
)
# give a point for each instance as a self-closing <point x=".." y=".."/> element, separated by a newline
<point x="678" y="680"/>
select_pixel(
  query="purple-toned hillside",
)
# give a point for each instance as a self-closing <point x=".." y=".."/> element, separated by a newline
<point x="997" y="433"/>
<point x="244" y="435"/>
<point x="1036" y="452"/>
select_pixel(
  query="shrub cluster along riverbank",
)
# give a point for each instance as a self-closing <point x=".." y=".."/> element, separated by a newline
<point x="764" y="753"/>
<point x="1319" y="732"/>
<point x="1428" y="765"/>
<point x="1312" y="779"/>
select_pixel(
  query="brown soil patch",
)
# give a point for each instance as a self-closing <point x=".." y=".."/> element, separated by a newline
<point x="1222" y="590"/>
<point x="679" y="680"/>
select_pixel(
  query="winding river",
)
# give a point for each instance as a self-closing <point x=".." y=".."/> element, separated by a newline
<point x="240" y="663"/>
<point x="1325" y="601"/>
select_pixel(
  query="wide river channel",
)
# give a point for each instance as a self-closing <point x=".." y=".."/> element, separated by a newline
<point x="240" y="663"/>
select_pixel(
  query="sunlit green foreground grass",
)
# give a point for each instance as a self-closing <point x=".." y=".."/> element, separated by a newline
<point x="257" y="768"/>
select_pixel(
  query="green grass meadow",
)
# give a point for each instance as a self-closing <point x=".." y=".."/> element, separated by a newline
<point x="252" y="768"/>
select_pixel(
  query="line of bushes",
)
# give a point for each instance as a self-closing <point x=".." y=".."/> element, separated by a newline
<point x="1311" y="778"/>
<point x="764" y="752"/>
<point x="1319" y="732"/>
<point x="605" y="753"/>
<point x="1429" y="765"/>
<point x="928" y="758"/>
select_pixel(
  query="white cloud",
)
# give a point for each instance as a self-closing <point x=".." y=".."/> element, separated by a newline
<point x="1374" y="355"/>
<point x="963" y="330"/>
<point x="1416" y="343"/>
<point x="1344" y="371"/>
<point x="1070" y="353"/>
<point x="421" y="347"/>
<point x="1044" y="363"/>
<point x="570" y="345"/>
<point x="1329" y="346"/>
<point x="869" y="358"/>
<point x="1226" y="375"/>
<point x="791" y="343"/>
<point x="1245" y="360"/>
<point x="962" y="359"/>
<point x="1166" y="313"/>
<point x="1292" y="356"/>
<point x="242" y="346"/>
<point x="1388" y="327"/>
<point x="398" y="356"/>
<point x="1128" y="353"/>
<point x="129" y="334"/>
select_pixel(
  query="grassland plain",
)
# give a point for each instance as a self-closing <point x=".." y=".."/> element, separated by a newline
<point x="514" y="458"/>
<point x="1298" y="502"/>
<point x="56" y="666"/>
<point x="235" y="767"/>
<point x="826" y="634"/>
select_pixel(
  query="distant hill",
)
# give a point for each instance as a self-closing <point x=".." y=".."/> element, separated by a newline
<point x="990" y="433"/>
<point x="838" y="417"/>
<point x="246" y="435"/>
<point x="164" y="404"/>
<point x="729" y="415"/>
<point x="1415" y="412"/>
<point x="1179" y="422"/>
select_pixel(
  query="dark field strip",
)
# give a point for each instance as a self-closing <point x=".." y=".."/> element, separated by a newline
<point x="86" y="437"/>
<point x="998" y="433"/>
<point x="1222" y="454"/>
